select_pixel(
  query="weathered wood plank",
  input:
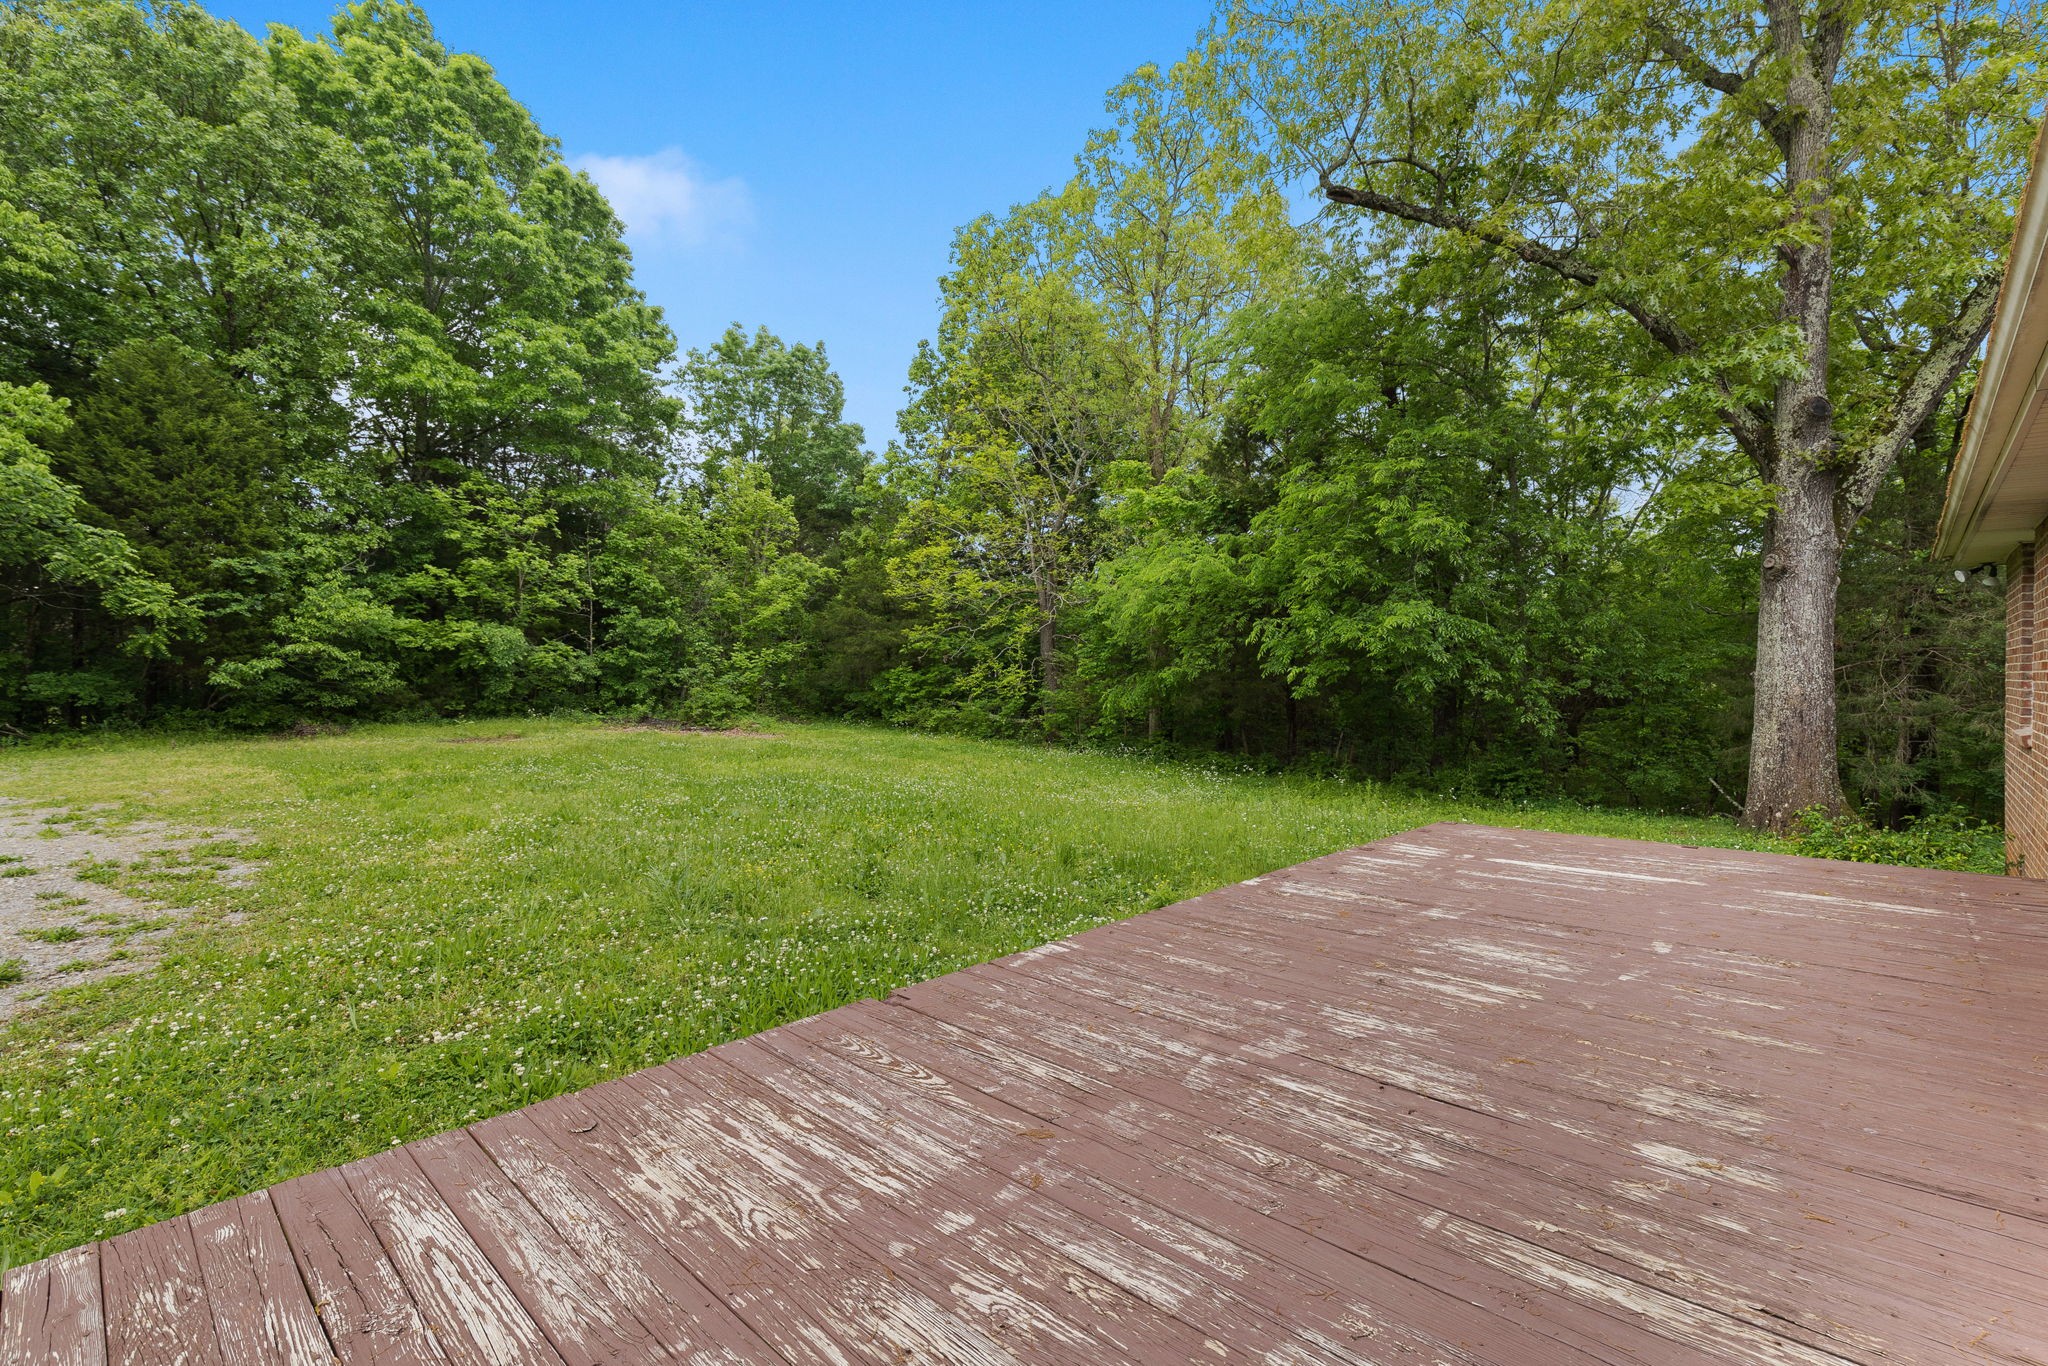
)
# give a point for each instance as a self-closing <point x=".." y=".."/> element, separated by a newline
<point x="570" y="1302"/>
<point x="474" y="1316"/>
<point x="639" y="1270"/>
<point x="261" y="1310"/>
<point x="1181" y="1283"/>
<point x="157" y="1308"/>
<point x="758" y="1247"/>
<point x="1303" y="1131"/>
<point x="1466" y="1096"/>
<point x="1478" y="1019"/>
<point x="1512" y="1078"/>
<point x="937" y="1227"/>
<point x="51" y="1312"/>
<point x="1501" y="1076"/>
<point x="362" y="1303"/>
<point x="1274" y="1267"/>
<point x="1245" y="1209"/>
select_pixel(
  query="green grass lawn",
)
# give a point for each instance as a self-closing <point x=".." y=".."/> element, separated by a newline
<point x="442" y="931"/>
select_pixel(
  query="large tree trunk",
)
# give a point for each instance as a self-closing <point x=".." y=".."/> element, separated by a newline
<point x="1792" y="760"/>
<point x="1048" y="643"/>
<point x="1793" y="764"/>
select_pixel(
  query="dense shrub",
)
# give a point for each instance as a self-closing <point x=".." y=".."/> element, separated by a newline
<point x="1947" y="839"/>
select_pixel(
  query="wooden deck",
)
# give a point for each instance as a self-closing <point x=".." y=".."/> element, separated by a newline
<point x="1462" y="1096"/>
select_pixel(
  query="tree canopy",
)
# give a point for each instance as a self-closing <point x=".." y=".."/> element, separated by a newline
<point x="361" y="391"/>
<point x="1805" y="208"/>
<point x="1512" y="398"/>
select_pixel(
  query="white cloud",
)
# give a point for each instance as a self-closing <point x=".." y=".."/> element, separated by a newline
<point x="666" y="199"/>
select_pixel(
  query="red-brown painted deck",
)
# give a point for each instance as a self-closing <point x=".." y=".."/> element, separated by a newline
<point x="1462" y="1096"/>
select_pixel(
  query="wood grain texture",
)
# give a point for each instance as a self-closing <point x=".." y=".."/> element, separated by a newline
<point x="362" y="1303"/>
<point x="474" y="1316"/>
<point x="261" y="1310"/>
<point x="1464" y="1096"/>
<point x="157" y="1309"/>
<point x="639" y="1269"/>
<point x="570" y="1301"/>
<point x="51" y="1312"/>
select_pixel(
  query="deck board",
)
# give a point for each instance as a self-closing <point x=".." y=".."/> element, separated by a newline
<point x="52" y="1313"/>
<point x="261" y="1311"/>
<point x="157" y="1309"/>
<point x="1466" y="1095"/>
<point x="570" y="1302"/>
<point x="1186" y="1212"/>
<point x="363" y="1306"/>
<point x="641" y="1272"/>
<point x="473" y="1314"/>
<point x="1310" y="1131"/>
<point x="1030" y="1293"/>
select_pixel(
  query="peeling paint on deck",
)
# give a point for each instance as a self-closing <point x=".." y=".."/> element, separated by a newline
<point x="1468" y="1096"/>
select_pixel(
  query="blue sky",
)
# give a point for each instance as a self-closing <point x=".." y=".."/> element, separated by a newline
<point x="803" y="165"/>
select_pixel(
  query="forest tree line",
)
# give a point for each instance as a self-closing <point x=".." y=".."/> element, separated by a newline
<point x="326" y="394"/>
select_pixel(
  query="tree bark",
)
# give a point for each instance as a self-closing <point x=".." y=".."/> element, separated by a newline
<point x="1793" y="762"/>
<point x="1048" y="643"/>
<point x="1793" y="765"/>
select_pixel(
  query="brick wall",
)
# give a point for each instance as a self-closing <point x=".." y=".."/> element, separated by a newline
<point x="2026" y="696"/>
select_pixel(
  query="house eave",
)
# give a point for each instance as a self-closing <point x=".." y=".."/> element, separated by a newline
<point x="1998" y="487"/>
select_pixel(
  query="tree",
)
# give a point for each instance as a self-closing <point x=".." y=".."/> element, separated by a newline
<point x="505" y="387"/>
<point x="1016" y="414"/>
<point x="1805" y="207"/>
<point x="163" y="185"/>
<point x="168" y="451"/>
<point x="1172" y="226"/>
<point x="497" y="330"/>
<point x="1920" y="653"/>
<point x="703" y="594"/>
<point x="59" y="572"/>
<point x="1432" y="542"/>
<point x="365" y="413"/>
<point x="171" y="453"/>
<point x="758" y="399"/>
<point x="166" y="225"/>
<point x="1085" y="327"/>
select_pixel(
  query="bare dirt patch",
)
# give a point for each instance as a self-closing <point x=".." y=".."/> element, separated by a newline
<point x="311" y="730"/>
<point x="60" y="923"/>
<point x="685" y="728"/>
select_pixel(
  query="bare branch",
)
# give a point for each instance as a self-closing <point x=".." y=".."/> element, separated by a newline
<point x="1750" y="428"/>
<point x="1691" y="64"/>
<point x="1736" y="85"/>
<point x="1921" y="396"/>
